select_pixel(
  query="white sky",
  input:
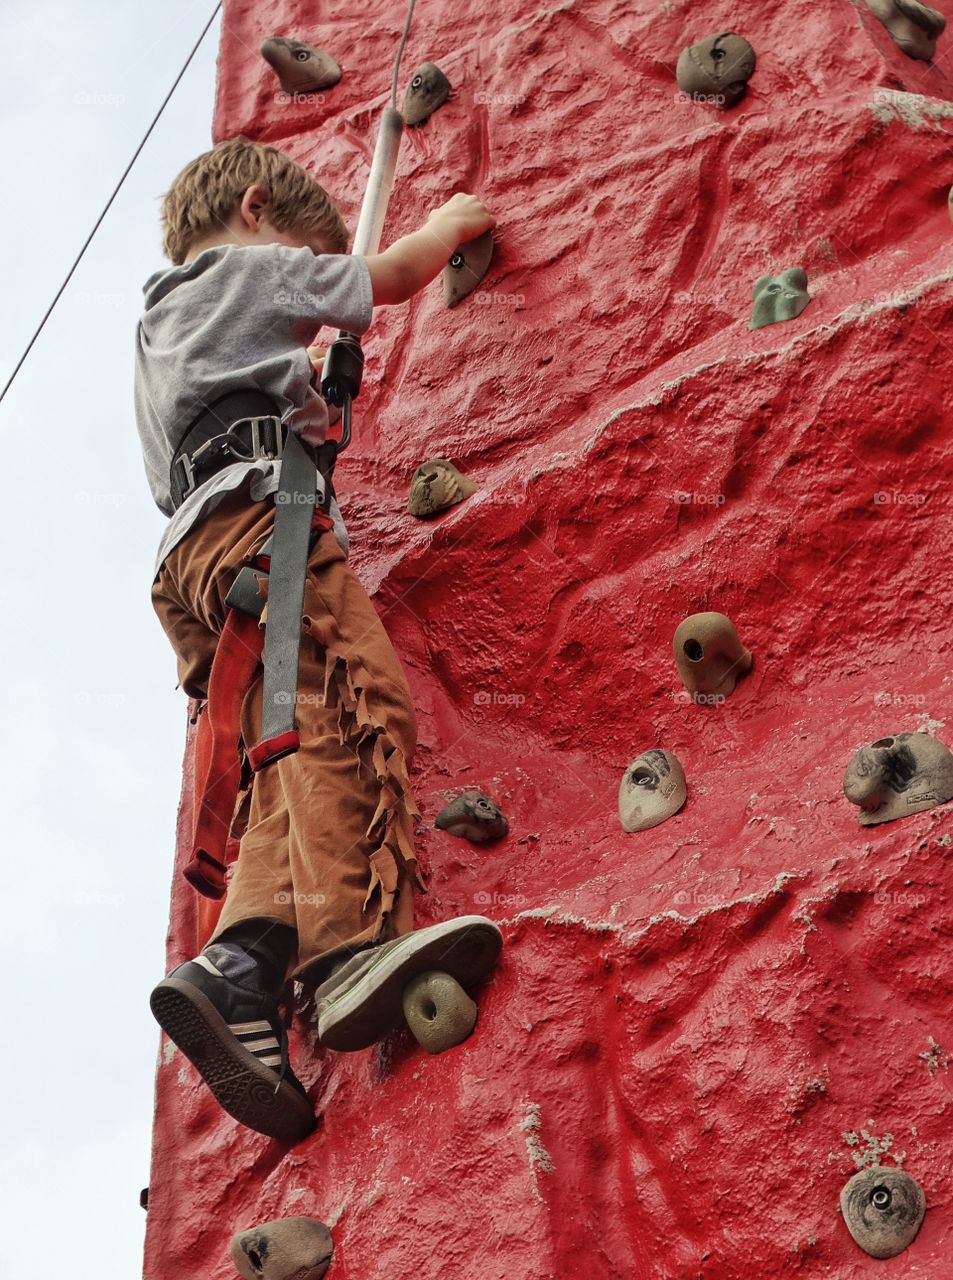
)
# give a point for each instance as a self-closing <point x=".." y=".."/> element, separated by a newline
<point x="91" y="725"/>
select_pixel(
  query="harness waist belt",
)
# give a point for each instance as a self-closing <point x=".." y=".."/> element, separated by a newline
<point x="241" y="426"/>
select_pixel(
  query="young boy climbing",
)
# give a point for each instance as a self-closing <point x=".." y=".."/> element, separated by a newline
<point x="322" y="890"/>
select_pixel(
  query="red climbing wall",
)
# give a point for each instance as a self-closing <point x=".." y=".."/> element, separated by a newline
<point x="697" y="1032"/>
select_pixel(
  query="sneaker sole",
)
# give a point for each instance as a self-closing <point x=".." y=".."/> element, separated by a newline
<point x="467" y="948"/>
<point x="241" y="1085"/>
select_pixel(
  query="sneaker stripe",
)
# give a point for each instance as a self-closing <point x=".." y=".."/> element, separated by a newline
<point x="205" y="963"/>
<point x="256" y="1046"/>
<point x="244" y="1028"/>
<point x="273" y="1060"/>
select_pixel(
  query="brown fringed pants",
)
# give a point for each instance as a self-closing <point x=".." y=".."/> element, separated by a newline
<point x="329" y="845"/>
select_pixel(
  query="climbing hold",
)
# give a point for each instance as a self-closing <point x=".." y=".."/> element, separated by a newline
<point x="778" y="298"/>
<point x="709" y="656"/>
<point x="438" y="1011"/>
<point x="466" y="268"/>
<point x="716" y="70"/>
<point x="898" y="775"/>
<point x="301" y="68"/>
<point x="429" y="89"/>
<point x="436" y="485"/>
<point x="144" y="1199"/>
<point x="473" y="816"/>
<point x="652" y="789"/>
<point x="289" y="1249"/>
<point x="883" y="1209"/>
<point x="912" y="26"/>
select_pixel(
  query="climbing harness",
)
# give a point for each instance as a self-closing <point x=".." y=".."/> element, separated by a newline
<point x="217" y="440"/>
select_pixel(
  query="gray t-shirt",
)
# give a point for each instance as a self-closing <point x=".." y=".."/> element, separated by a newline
<point x="238" y="318"/>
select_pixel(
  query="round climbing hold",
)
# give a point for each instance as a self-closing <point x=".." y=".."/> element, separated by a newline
<point x="710" y="657"/>
<point x="897" y="775"/>
<point x="429" y="89"/>
<point x="883" y="1209"/>
<point x="716" y="70"/>
<point x="300" y="67"/>
<point x="466" y="268"/>
<point x="436" y="485"/>
<point x="472" y="815"/>
<point x="288" y="1249"/>
<point x="778" y="298"/>
<point x="912" y="26"/>
<point x="651" y="790"/>
<point x="439" y="1012"/>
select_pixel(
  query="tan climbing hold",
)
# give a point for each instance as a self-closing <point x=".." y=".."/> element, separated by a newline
<point x="439" y="1012"/>
<point x="897" y="775"/>
<point x="710" y="657"/>
<point x="883" y="1209"/>
<point x="466" y="268"/>
<point x="436" y="485"/>
<point x="288" y="1249"/>
<point x="651" y="790"/>
<point x="300" y="67"/>
<point x="472" y="815"/>
<point x="913" y="27"/>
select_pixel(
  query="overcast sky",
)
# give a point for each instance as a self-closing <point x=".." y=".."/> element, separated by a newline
<point x="92" y="725"/>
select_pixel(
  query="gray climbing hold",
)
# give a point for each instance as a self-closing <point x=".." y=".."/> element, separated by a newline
<point x="301" y="68"/>
<point x="716" y="70"/>
<point x="429" y="89"/>
<point x="913" y="27"/>
<point x="883" y="1209"/>
<point x="898" y="775"/>
<point x="651" y="790"/>
<point x="289" y="1249"/>
<point x="436" y="485"/>
<point x="473" y="816"/>
<point x="778" y="298"/>
<point x="710" y="657"/>
<point x="466" y="268"/>
<point x="439" y="1012"/>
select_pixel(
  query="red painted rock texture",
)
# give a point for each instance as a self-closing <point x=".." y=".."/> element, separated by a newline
<point x="698" y="1032"/>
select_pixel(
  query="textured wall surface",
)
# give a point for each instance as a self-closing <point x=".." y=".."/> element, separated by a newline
<point x="697" y="1032"/>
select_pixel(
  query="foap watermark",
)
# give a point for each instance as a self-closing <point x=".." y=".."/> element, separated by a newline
<point x="887" y="497"/>
<point x="285" y="299"/>
<point x="899" y="898"/>
<point x="496" y="698"/>
<point x="689" y="298"/>
<point x="96" y="898"/>
<point x="295" y="499"/>
<point x="685" y="499"/>
<point x="505" y="900"/>
<point x="96" y="98"/>
<point x="99" y="698"/>
<point x="285" y="898"/>
<point x="900" y="699"/>
<point x="484" y="99"/>
<point x="88" y="498"/>
<point x="90" y="298"/>
<point x="708" y="99"/>
<point x="297" y="99"/>
<point x="486" y="298"/>
<point x="698" y="898"/>
<point x="284" y="699"/>
<point x="683" y="698"/>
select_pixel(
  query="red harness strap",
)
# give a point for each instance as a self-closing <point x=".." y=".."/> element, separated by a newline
<point x="218" y="763"/>
<point x="217" y="757"/>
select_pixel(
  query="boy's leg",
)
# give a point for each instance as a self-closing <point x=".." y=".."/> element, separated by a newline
<point x="221" y="1008"/>
<point x="345" y="795"/>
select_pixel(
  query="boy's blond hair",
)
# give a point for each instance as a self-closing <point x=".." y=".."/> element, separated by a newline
<point x="209" y="190"/>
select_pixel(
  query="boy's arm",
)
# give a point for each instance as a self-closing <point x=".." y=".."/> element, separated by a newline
<point x="413" y="261"/>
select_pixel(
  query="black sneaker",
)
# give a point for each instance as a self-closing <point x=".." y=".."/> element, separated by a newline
<point x="235" y="1039"/>
<point x="363" y="999"/>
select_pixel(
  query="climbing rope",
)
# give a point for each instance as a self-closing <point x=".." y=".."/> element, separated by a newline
<point x="400" y="53"/>
<point x="109" y="202"/>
